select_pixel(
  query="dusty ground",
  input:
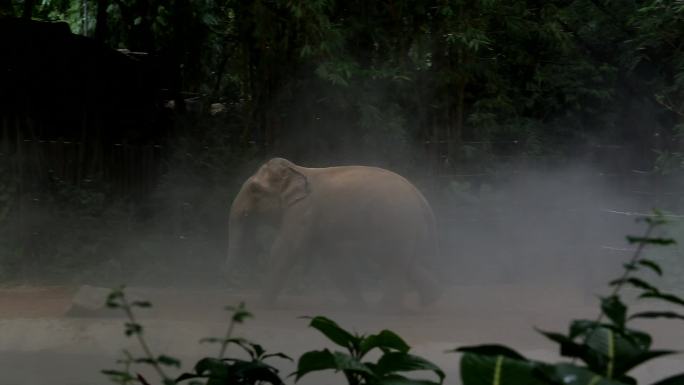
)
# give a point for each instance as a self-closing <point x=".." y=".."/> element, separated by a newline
<point x="43" y="340"/>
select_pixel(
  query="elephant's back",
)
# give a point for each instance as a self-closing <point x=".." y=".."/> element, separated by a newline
<point x="373" y="196"/>
<point x="359" y="183"/>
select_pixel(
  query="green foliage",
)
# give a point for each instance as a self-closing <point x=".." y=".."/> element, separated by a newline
<point x="132" y="328"/>
<point x="489" y="366"/>
<point x="229" y="371"/>
<point x="222" y="370"/>
<point x="544" y="74"/>
<point x="378" y="80"/>
<point x="608" y="350"/>
<point x="394" y="360"/>
<point x="74" y="229"/>
<point x="212" y="371"/>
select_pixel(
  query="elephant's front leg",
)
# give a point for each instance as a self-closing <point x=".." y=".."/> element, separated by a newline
<point x="340" y="264"/>
<point x="287" y="249"/>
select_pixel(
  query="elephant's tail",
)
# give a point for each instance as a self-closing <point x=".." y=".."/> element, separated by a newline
<point x="430" y="283"/>
<point x="434" y="239"/>
<point x="430" y="238"/>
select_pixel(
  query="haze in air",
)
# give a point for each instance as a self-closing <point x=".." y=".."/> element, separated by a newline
<point x="537" y="133"/>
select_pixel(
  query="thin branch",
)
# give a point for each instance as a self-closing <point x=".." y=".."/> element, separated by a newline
<point x="224" y="343"/>
<point x="143" y="344"/>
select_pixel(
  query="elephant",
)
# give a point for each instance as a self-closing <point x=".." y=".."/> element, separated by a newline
<point x="335" y="215"/>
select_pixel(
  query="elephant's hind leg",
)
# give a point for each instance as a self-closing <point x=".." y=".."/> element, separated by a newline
<point x="394" y="272"/>
<point x="429" y="289"/>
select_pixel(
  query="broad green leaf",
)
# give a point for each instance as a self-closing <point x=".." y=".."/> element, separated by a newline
<point x="346" y="362"/>
<point x="253" y="350"/>
<point x="667" y="297"/>
<point x="650" y="240"/>
<point x="609" y="351"/>
<point x="145" y="360"/>
<point x="253" y="372"/>
<point x="674" y="380"/>
<point x="570" y="374"/>
<point x="217" y="381"/>
<point x="142" y="304"/>
<point x="651" y="265"/>
<point x="257" y="349"/>
<point x="568" y="347"/>
<point x="118" y="375"/>
<point x="626" y="364"/>
<point x="580" y="327"/>
<point x="403" y="362"/>
<point x="640" y="339"/>
<point x="318" y="360"/>
<point x="385" y="340"/>
<point x="334" y="332"/>
<point x="636" y="282"/>
<point x="401" y="380"/>
<point x="657" y="314"/>
<point x="613" y="352"/>
<point x="168" y="361"/>
<point x="212" y="367"/>
<point x="233" y="371"/>
<point x="492" y="350"/>
<point x="188" y="376"/>
<point x="602" y="340"/>
<point x="479" y="369"/>
<point x="615" y="310"/>
<point x="314" y="361"/>
<point x="279" y="355"/>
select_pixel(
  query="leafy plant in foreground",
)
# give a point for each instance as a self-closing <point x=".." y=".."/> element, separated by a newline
<point x="212" y="370"/>
<point x="222" y="370"/>
<point x="395" y="357"/>
<point x="117" y="300"/>
<point x="606" y="346"/>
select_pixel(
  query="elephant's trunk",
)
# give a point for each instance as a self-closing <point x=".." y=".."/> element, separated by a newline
<point x="243" y="248"/>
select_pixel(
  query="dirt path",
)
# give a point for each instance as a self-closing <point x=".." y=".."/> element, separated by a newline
<point x="41" y="338"/>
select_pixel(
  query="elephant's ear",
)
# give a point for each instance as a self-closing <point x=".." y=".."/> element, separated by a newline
<point x="295" y="187"/>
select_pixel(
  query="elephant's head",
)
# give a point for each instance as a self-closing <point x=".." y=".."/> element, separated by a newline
<point x="277" y="185"/>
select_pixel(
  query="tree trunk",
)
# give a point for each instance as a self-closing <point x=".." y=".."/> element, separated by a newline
<point x="101" y="22"/>
<point x="144" y="34"/>
<point x="181" y="9"/>
<point x="28" y="10"/>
